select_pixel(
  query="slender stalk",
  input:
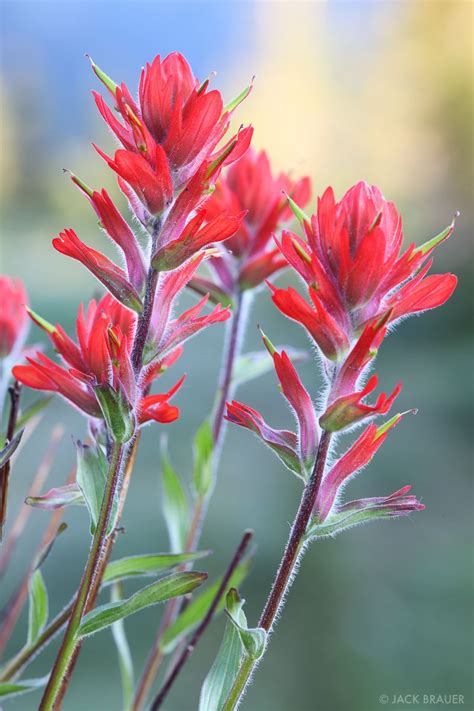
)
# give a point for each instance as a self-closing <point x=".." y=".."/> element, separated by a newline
<point x="188" y="650"/>
<point x="59" y="676"/>
<point x="10" y="615"/>
<point x="293" y="550"/>
<point x="224" y="392"/>
<point x="27" y="654"/>
<point x="14" y="391"/>
<point x="23" y="515"/>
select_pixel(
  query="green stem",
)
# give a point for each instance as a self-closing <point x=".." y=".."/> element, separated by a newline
<point x="59" y="678"/>
<point x="20" y="660"/>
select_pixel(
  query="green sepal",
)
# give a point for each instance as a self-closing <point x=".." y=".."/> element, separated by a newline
<point x="117" y="413"/>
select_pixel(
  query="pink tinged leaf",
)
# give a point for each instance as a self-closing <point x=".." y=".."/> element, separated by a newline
<point x="349" y="409"/>
<point x="57" y="498"/>
<point x="300" y="401"/>
<point x="356" y="457"/>
<point x="111" y="276"/>
<point x="282" y="442"/>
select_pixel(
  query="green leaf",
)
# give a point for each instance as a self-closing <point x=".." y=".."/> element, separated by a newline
<point x="38" y="607"/>
<point x="117" y="413"/>
<point x="123" y="652"/>
<point x="223" y="672"/>
<point x="172" y="586"/>
<point x="67" y="495"/>
<point x="198" y="608"/>
<point x="256" y="363"/>
<point x="175" y="505"/>
<point x="202" y="472"/>
<point x="7" y="452"/>
<point x="91" y="477"/>
<point x="15" y="688"/>
<point x="253" y="639"/>
<point x="151" y="564"/>
<point x="34" y="409"/>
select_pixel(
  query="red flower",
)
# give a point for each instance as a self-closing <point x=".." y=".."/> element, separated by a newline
<point x="319" y="323"/>
<point x="150" y="179"/>
<point x="157" y="407"/>
<point x="356" y="457"/>
<point x="349" y="409"/>
<point x="13" y="316"/>
<point x="113" y="277"/>
<point x="118" y="230"/>
<point x="167" y="333"/>
<point x="353" y="258"/>
<point x="302" y="406"/>
<point x="249" y="186"/>
<point x="99" y="357"/>
<point x="175" y="126"/>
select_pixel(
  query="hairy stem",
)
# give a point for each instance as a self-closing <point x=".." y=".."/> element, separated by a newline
<point x="293" y="550"/>
<point x="14" y="391"/>
<point x="59" y="678"/>
<point x="27" y="654"/>
<point x="224" y="392"/>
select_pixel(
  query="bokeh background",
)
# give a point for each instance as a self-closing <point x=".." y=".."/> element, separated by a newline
<point x="344" y="90"/>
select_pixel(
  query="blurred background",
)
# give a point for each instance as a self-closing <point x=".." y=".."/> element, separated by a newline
<point x="344" y="90"/>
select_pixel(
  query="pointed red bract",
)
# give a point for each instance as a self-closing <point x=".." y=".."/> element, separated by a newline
<point x="13" y="316"/>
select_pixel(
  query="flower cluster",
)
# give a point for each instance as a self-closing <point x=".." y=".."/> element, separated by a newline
<point x="250" y="256"/>
<point x="166" y="167"/>
<point x="359" y="282"/>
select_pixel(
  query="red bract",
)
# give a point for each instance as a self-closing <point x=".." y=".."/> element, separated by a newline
<point x="13" y="316"/>
<point x="356" y="457"/>
<point x="249" y="187"/>
<point x="175" y="116"/>
<point x="157" y="407"/>
<point x="109" y="274"/>
<point x="349" y="409"/>
<point x="168" y="332"/>
<point x="353" y="259"/>
<point x="99" y="357"/>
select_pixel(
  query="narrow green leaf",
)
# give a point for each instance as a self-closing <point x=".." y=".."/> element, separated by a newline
<point x="221" y="676"/>
<point x="203" y="445"/>
<point x="56" y="498"/>
<point x="91" y="477"/>
<point x="257" y="363"/>
<point x="198" y="608"/>
<point x="15" y="688"/>
<point x="34" y="409"/>
<point x="172" y="586"/>
<point x="232" y="105"/>
<point x="38" y="607"/>
<point x="123" y="652"/>
<point x="175" y="506"/>
<point x="298" y="211"/>
<point x="151" y="564"/>
<point x="10" y="448"/>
